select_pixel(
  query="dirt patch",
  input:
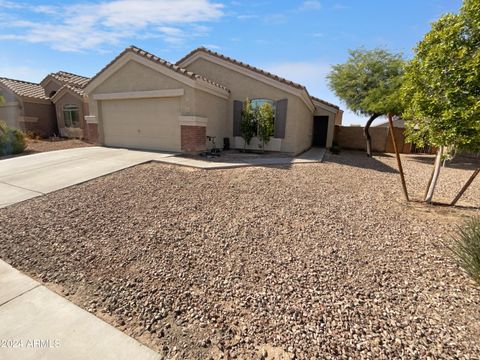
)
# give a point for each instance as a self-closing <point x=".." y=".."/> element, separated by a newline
<point x="310" y="261"/>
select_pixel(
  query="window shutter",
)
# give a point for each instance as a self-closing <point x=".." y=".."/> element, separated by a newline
<point x="280" y="118"/>
<point x="237" y="117"/>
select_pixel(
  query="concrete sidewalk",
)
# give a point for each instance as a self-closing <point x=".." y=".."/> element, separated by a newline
<point x="36" y="323"/>
<point x="25" y="177"/>
<point x="314" y="155"/>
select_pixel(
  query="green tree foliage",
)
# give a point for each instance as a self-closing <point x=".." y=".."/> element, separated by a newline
<point x="265" y="126"/>
<point x="12" y="141"/>
<point x="369" y="82"/>
<point x="248" y="125"/>
<point x="442" y="83"/>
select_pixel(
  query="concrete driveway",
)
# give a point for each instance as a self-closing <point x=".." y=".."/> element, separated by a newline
<point x="25" y="177"/>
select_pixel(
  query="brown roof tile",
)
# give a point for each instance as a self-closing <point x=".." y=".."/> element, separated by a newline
<point x="69" y="78"/>
<point x="247" y="66"/>
<point x="324" y="102"/>
<point x="74" y="89"/>
<point x="160" y="61"/>
<point x="24" y="88"/>
<point x="255" y="69"/>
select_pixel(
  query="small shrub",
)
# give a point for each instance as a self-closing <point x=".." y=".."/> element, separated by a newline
<point x="466" y="247"/>
<point x="335" y="149"/>
<point x="12" y="141"/>
<point x="265" y="116"/>
<point x="248" y="124"/>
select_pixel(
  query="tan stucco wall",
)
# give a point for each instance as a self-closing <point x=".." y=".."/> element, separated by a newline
<point x="52" y="86"/>
<point x="299" y="117"/>
<point x="9" y="112"/>
<point x="214" y="109"/>
<point x="69" y="99"/>
<point x="134" y="76"/>
<point x="46" y="124"/>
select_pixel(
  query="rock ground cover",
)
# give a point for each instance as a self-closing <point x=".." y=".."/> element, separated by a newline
<point x="308" y="261"/>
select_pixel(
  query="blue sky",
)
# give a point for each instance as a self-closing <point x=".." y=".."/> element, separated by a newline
<point x="298" y="40"/>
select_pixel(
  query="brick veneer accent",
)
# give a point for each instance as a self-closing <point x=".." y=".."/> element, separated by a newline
<point x="194" y="138"/>
<point x="92" y="132"/>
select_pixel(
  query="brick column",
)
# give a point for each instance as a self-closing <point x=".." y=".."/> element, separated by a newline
<point x="91" y="129"/>
<point x="194" y="138"/>
<point x="193" y="131"/>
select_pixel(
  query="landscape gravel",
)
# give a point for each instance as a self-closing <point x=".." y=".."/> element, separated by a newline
<point x="308" y="261"/>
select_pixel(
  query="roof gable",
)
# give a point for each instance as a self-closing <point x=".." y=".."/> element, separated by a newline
<point x="258" y="74"/>
<point x="181" y="74"/>
<point x="185" y="60"/>
<point x="68" y="89"/>
<point x="64" y="77"/>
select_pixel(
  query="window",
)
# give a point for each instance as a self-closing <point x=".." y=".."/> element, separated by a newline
<point x="71" y="116"/>
<point x="257" y="103"/>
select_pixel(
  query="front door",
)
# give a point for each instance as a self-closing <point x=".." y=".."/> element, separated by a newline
<point x="320" y="130"/>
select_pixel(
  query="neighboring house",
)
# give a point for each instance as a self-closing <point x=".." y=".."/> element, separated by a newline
<point x="24" y="105"/>
<point x="141" y="101"/>
<point x="56" y="106"/>
<point x="71" y="105"/>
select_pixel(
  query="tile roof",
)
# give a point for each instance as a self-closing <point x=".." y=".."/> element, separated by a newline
<point x="24" y="88"/>
<point x="247" y="66"/>
<point x="255" y="69"/>
<point x="74" y="89"/>
<point x="69" y="78"/>
<point x="160" y="61"/>
<point x="324" y="102"/>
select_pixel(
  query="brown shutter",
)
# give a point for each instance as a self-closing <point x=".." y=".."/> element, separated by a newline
<point x="280" y="118"/>
<point x="237" y="117"/>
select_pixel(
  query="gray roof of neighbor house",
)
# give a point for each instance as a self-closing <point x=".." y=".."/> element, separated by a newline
<point x="160" y="61"/>
<point x="75" y="80"/>
<point x="254" y="69"/>
<point x="24" y="88"/>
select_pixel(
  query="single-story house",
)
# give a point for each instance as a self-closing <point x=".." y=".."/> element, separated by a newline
<point x="66" y="91"/>
<point x="141" y="101"/>
<point x="55" y="106"/>
<point x="25" y="106"/>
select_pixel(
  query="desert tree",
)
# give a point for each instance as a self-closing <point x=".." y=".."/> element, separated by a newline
<point x="441" y="88"/>
<point x="369" y="83"/>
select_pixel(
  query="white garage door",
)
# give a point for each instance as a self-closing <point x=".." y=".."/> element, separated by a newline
<point x="151" y="124"/>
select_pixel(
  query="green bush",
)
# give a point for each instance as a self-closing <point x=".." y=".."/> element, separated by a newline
<point x="466" y="247"/>
<point x="12" y="141"/>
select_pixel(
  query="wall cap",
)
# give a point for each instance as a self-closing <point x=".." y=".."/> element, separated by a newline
<point x="189" y="120"/>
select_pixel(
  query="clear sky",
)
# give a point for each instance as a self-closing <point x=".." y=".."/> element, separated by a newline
<point x="298" y="40"/>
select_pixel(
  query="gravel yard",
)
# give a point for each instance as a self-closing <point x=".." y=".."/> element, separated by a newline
<point x="308" y="261"/>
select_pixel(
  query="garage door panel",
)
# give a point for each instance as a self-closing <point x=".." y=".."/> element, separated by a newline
<point x="142" y="123"/>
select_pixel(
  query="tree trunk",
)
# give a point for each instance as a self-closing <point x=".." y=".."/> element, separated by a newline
<point x="397" y="155"/>
<point x="465" y="187"/>
<point x="367" y="133"/>
<point x="436" y="173"/>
